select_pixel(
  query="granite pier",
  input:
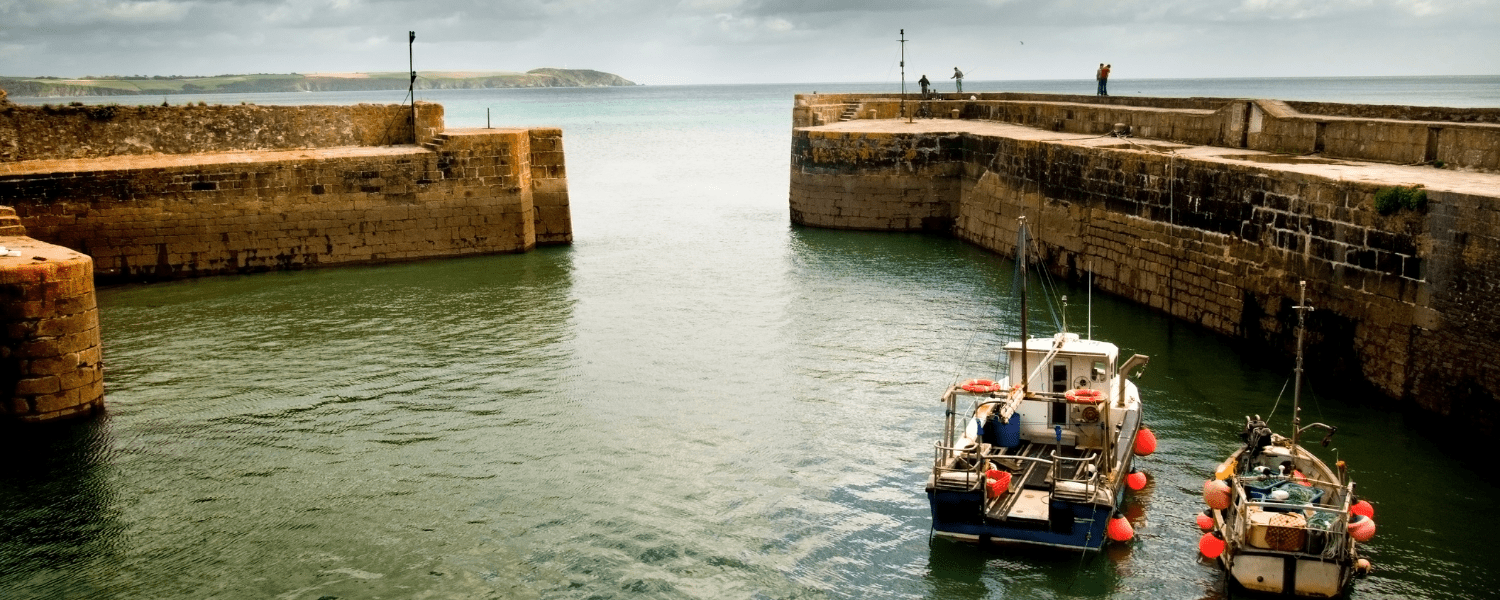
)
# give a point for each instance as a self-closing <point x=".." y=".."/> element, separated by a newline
<point x="147" y="193"/>
<point x="1210" y="210"/>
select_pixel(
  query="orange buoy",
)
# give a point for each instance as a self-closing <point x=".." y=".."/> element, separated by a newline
<point x="1364" y="508"/>
<point x="998" y="483"/>
<point x="1084" y="396"/>
<point x="1216" y="494"/>
<point x="1136" y="480"/>
<point x="1300" y="478"/>
<point x="980" y="386"/>
<point x="1120" y="529"/>
<point x="1211" y="545"/>
<point x="1362" y="567"/>
<point x="1205" y="521"/>
<point x="1145" y="442"/>
<point x="1361" y="528"/>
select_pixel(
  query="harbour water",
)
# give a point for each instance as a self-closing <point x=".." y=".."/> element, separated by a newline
<point x="694" y="400"/>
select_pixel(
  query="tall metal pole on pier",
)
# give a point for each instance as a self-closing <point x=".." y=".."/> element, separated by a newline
<point x="411" y="89"/>
<point x="903" y="71"/>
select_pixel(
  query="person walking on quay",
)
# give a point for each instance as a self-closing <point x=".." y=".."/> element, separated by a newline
<point x="1103" y="76"/>
<point x="958" y="79"/>
<point x="924" y="83"/>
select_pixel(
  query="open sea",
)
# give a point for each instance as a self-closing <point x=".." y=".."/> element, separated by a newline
<point x="694" y="400"/>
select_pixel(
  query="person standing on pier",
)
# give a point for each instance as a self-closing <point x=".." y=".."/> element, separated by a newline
<point x="958" y="77"/>
<point x="924" y="83"/>
<point x="1103" y="76"/>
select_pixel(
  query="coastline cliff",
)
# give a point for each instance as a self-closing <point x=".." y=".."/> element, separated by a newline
<point x="48" y="87"/>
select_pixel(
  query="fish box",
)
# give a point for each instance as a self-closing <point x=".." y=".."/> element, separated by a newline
<point x="1283" y="531"/>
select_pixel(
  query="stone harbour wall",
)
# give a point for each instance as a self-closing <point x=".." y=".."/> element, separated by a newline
<point x="95" y="131"/>
<point x="347" y="191"/>
<point x="549" y="186"/>
<point x="1463" y="138"/>
<point x="882" y="181"/>
<point x="153" y="193"/>
<point x="468" y="192"/>
<point x="1405" y="300"/>
<point x="50" y="361"/>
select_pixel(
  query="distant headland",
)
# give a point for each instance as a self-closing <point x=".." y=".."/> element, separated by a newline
<point x="308" y="82"/>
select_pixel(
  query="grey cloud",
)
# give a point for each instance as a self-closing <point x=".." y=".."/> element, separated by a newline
<point x="725" y="41"/>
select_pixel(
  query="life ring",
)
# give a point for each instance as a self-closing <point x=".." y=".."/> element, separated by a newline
<point x="980" y="386"/>
<point x="1085" y="396"/>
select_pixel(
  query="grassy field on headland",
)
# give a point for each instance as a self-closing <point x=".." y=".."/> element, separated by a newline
<point x="309" y="82"/>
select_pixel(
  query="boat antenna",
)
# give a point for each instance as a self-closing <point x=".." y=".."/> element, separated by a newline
<point x="1025" y="330"/>
<point x="1091" y="300"/>
<point x="1064" y="314"/>
<point x="1302" y="310"/>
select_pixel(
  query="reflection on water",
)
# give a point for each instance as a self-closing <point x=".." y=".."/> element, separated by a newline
<point x="695" y="400"/>
<point x="62" y="529"/>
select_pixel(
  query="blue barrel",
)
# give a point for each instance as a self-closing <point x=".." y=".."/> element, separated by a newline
<point x="1010" y="432"/>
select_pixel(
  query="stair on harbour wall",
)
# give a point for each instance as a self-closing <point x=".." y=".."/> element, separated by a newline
<point x="10" y="224"/>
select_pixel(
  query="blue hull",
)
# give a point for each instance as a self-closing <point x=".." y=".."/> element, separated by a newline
<point x="959" y="516"/>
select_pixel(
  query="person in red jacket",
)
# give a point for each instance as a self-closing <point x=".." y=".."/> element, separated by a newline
<point x="1103" y="77"/>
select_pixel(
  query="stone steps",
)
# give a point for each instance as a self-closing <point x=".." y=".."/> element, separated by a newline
<point x="10" y="224"/>
<point x="436" y="143"/>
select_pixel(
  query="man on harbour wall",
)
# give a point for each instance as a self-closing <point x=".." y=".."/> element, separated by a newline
<point x="1103" y="76"/>
<point x="924" y="83"/>
<point x="958" y="77"/>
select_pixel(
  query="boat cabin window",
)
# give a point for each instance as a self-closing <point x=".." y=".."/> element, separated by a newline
<point x="1098" y="370"/>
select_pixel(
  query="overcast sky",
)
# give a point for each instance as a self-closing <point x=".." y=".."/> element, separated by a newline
<point x="757" y="41"/>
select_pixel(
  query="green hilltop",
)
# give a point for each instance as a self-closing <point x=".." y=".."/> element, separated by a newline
<point x="312" y="82"/>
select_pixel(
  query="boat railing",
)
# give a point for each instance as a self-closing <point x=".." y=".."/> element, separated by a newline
<point x="1084" y="480"/>
<point x="953" y="470"/>
<point x="1328" y="537"/>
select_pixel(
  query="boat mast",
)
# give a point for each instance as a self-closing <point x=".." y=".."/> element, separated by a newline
<point x="1025" y="331"/>
<point x="1302" y="309"/>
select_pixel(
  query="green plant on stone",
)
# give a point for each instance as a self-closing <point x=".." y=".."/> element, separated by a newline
<point x="1391" y="199"/>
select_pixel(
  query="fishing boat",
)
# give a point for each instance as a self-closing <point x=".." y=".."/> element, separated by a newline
<point x="1279" y="519"/>
<point x="1041" y="459"/>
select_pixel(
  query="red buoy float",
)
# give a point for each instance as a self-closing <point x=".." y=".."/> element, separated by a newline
<point x="980" y="386"/>
<point x="1120" y="529"/>
<point x="1211" y="545"/>
<point x="1364" y="508"/>
<point x="1145" y="442"/>
<point x="1205" y="521"/>
<point x="1361" y="528"/>
<point x="1084" y="396"/>
<point x="1362" y="567"/>
<point x="998" y="482"/>
<point x="1136" y="480"/>
<point x="1216" y="494"/>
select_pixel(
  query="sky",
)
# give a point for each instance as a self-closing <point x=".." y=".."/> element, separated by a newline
<point x="669" y="42"/>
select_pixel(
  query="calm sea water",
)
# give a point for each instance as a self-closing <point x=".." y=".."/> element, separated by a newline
<point x="694" y="400"/>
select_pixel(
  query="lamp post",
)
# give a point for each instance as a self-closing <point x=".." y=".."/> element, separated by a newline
<point x="411" y="88"/>
<point x="903" y="74"/>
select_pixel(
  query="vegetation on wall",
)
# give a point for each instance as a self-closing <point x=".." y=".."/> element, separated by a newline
<point x="1391" y="199"/>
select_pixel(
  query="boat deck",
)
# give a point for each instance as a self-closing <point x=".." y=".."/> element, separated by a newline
<point x="1032" y="481"/>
